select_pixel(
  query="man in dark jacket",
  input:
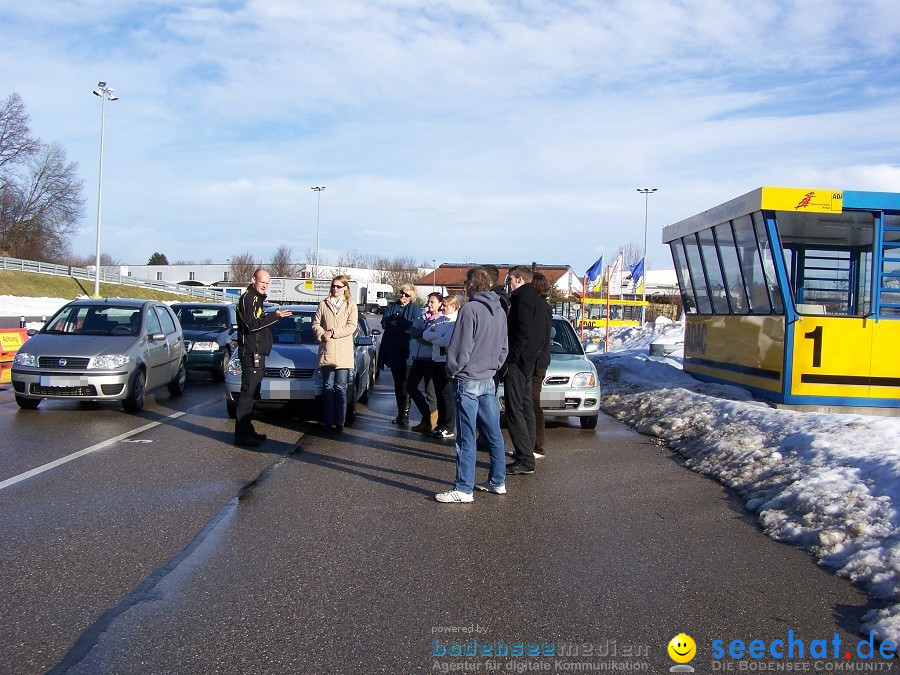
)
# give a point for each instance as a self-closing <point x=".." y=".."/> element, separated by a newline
<point x="477" y="349"/>
<point x="529" y="325"/>
<point x="254" y="345"/>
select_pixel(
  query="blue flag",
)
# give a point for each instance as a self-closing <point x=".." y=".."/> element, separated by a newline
<point x="637" y="275"/>
<point x="595" y="269"/>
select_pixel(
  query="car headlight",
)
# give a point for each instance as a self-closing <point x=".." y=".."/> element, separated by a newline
<point x="204" y="347"/>
<point x="108" y="362"/>
<point x="584" y="380"/>
<point x="25" y="359"/>
<point x="234" y="367"/>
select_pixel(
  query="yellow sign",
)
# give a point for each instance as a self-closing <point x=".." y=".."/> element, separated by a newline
<point x="802" y="200"/>
<point x="11" y="341"/>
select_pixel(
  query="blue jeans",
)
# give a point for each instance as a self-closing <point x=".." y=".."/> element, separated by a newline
<point x="476" y="404"/>
<point x="334" y="395"/>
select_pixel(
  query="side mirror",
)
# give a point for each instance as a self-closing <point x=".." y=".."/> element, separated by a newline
<point x="365" y="341"/>
<point x="375" y="332"/>
<point x="158" y="337"/>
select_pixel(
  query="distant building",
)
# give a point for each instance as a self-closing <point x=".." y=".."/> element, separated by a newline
<point x="221" y="274"/>
<point x="452" y="277"/>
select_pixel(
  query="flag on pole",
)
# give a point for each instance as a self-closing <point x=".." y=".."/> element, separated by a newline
<point x="637" y="276"/>
<point x="615" y="276"/>
<point x="595" y="269"/>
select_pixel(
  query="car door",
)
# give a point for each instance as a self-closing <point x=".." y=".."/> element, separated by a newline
<point x="174" y="341"/>
<point x="157" y="350"/>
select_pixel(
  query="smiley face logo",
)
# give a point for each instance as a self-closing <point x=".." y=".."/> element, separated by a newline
<point x="682" y="648"/>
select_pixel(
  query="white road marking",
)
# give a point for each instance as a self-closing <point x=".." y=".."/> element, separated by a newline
<point x="99" y="446"/>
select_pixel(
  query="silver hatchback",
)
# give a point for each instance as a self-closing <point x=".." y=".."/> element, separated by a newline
<point x="102" y="350"/>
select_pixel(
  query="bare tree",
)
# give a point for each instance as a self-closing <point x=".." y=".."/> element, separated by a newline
<point x="40" y="192"/>
<point x="397" y="271"/>
<point x="281" y="264"/>
<point x="242" y="268"/>
<point x="40" y="205"/>
<point x="632" y="252"/>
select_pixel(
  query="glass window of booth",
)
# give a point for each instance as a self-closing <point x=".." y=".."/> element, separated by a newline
<point x="684" y="277"/>
<point x="698" y="275"/>
<point x="713" y="272"/>
<point x="731" y="269"/>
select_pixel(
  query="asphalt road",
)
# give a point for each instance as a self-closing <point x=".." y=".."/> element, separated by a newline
<point x="169" y="550"/>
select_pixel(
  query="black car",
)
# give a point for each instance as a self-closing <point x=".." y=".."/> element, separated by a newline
<point x="210" y="335"/>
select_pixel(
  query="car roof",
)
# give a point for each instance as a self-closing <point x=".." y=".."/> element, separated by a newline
<point x="210" y="305"/>
<point x="300" y="308"/>
<point x="119" y="302"/>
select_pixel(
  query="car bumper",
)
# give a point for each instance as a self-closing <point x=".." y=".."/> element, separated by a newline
<point x="99" y="386"/>
<point x="205" y="360"/>
<point x="564" y="402"/>
<point x="280" y="390"/>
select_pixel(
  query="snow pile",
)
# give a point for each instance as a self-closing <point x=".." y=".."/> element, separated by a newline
<point x="825" y="482"/>
<point x="11" y="305"/>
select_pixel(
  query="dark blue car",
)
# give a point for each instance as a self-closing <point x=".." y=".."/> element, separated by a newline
<point x="210" y="335"/>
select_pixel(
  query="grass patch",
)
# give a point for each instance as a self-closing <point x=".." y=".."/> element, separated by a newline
<point x="34" y="285"/>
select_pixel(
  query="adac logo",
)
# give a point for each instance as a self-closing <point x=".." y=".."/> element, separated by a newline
<point x="807" y="198"/>
<point x="682" y="649"/>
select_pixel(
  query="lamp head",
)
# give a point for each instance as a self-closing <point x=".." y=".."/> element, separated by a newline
<point x="97" y="93"/>
<point x="101" y="84"/>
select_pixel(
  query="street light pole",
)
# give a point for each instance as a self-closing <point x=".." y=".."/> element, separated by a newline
<point x="318" y="202"/>
<point x="646" y="192"/>
<point x="434" y="275"/>
<point x="106" y="94"/>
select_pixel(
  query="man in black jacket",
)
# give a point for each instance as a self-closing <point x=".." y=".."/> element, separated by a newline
<point x="529" y="325"/>
<point x="254" y="345"/>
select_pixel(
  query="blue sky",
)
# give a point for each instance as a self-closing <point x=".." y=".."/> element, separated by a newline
<point x="472" y="130"/>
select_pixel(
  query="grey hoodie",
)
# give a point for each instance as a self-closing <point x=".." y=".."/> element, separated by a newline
<point x="478" y="347"/>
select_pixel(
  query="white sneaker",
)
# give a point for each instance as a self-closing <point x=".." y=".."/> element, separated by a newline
<point x="455" y="497"/>
<point x="486" y="486"/>
<point x="538" y="455"/>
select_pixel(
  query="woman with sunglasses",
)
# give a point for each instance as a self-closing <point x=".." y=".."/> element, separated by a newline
<point x="398" y="317"/>
<point x="334" y="326"/>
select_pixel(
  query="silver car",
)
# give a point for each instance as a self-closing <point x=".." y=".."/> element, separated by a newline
<point x="571" y="387"/>
<point x="292" y="372"/>
<point x="102" y="350"/>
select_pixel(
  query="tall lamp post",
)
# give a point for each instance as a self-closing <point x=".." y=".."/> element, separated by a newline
<point x="434" y="275"/>
<point x="646" y="192"/>
<point x="106" y="94"/>
<point x="318" y="202"/>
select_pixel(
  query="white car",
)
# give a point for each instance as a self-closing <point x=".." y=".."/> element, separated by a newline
<point x="571" y="387"/>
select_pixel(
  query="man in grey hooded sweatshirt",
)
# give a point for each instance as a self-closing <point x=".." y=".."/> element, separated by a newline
<point x="477" y="350"/>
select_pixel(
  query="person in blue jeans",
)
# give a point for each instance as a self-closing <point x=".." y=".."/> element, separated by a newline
<point x="477" y="350"/>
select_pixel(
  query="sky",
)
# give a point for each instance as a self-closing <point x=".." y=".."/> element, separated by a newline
<point x="825" y="482"/>
<point x="472" y="130"/>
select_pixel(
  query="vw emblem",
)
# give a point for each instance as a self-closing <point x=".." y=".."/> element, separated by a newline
<point x="62" y="362"/>
<point x="285" y="372"/>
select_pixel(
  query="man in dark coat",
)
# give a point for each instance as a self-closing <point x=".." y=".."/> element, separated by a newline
<point x="254" y="345"/>
<point x="528" y="327"/>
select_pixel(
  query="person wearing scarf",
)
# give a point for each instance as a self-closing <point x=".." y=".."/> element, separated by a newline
<point x="334" y="326"/>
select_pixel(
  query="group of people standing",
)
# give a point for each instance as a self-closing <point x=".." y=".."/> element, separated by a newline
<point x="458" y="353"/>
<point x="461" y="355"/>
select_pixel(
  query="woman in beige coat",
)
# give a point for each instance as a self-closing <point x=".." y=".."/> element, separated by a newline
<point x="334" y="326"/>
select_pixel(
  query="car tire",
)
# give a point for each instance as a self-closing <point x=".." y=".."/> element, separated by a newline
<point x="588" y="422"/>
<point x="351" y="403"/>
<point x="230" y="406"/>
<point x="179" y="382"/>
<point x="134" y="401"/>
<point x="365" y="395"/>
<point x="27" y="403"/>
<point x="223" y="367"/>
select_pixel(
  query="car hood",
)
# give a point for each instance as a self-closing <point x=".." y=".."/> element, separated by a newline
<point x="203" y="335"/>
<point x="293" y="356"/>
<point x="569" y="363"/>
<point x="78" y="345"/>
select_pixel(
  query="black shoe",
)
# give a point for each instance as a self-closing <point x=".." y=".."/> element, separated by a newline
<point x="338" y="428"/>
<point x="259" y="437"/>
<point x="246" y="441"/>
<point x="517" y="469"/>
<point x="402" y="420"/>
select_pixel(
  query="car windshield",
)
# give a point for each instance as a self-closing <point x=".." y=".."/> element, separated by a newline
<point x="95" y="320"/>
<point x="295" y="330"/>
<point x="563" y="339"/>
<point x="202" y="318"/>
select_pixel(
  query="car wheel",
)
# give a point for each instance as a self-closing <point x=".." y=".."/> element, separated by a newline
<point x="351" y="403"/>
<point x="27" y="403"/>
<point x="134" y="402"/>
<point x="179" y="382"/>
<point x="365" y="395"/>
<point x="588" y="422"/>
<point x="230" y="406"/>
<point x="223" y="367"/>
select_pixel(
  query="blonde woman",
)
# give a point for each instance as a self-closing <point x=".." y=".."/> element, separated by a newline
<point x="334" y="326"/>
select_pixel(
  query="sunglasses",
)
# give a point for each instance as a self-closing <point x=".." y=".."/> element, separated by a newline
<point x="336" y="286"/>
<point x="405" y="295"/>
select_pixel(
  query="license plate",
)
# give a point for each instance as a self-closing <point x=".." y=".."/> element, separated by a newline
<point x="284" y="390"/>
<point x="553" y="400"/>
<point x="56" y="381"/>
